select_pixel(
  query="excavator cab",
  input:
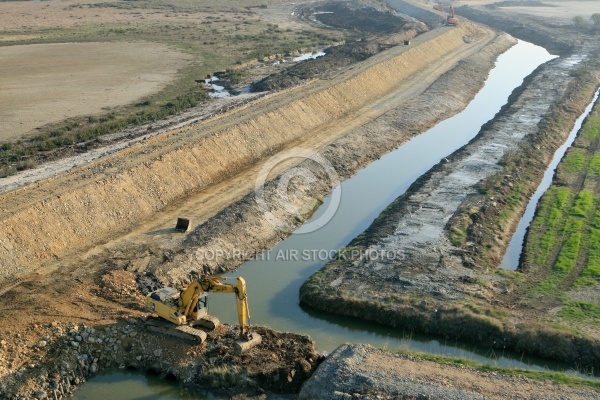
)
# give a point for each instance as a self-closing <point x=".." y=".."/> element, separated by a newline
<point x="202" y="305"/>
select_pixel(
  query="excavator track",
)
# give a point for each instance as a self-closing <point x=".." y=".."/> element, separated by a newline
<point x="207" y="322"/>
<point x="182" y="332"/>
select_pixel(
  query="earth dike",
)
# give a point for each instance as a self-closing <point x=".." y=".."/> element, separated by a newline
<point x="73" y="353"/>
<point x="454" y="223"/>
<point x="92" y="209"/>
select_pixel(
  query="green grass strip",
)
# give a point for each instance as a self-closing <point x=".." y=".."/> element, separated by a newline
<point x="592" y="269"/>
<point x="574" y="161"/>
<point x="579" y="310"/>
<point x="555" y="377"/>
<point x="594" y="167"/>
<point x="568" y="254"/>
<point x="591" y="128"/>
<point x="553" y="212"/>
<point x="583" y="204"/>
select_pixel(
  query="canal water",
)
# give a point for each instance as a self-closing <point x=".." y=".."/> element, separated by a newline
<point x="274" y="279"/>
<point x="129" y="385"/>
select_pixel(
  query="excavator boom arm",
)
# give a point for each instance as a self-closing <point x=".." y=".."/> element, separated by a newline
<point x="241" y="299"/>
<point x="189" y="297"/>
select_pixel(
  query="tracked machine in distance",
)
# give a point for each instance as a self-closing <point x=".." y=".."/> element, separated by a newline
<point x="451" y="19"/>
<point x="188" y="311"/>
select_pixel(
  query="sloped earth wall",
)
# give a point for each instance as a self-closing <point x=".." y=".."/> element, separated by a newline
<point x="52" y="218"/>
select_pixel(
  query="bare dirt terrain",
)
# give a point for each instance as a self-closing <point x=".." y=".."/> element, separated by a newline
<point x="46" y="83"/>
<point x="63" y="236"/>
<point x="362" y="372"/>
<point x="553" y="11"/>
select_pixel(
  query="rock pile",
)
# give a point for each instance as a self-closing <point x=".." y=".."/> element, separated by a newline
<point x="64" y="357"/>
<point x="358" y="371"/>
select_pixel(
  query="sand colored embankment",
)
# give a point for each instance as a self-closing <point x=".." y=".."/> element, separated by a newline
<point x="50" y="219"/>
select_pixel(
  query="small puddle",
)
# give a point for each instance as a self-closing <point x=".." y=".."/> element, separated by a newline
<point x="127" y="385"/>
<point x="216" y="91"/>
<point x="515" y="247"/>
<point x="309" y="56"/>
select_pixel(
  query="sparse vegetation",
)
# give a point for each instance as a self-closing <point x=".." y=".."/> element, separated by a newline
<point x="563" y="243"/>
<point x="556" y="377"/>
<point x="579" y="21"/>
<point x="218" y="38"/>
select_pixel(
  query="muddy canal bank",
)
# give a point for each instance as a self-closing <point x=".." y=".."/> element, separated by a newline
<point x="450" y="229"/>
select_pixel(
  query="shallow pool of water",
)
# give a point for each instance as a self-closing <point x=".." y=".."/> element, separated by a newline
<point x="130" y="385"/>
<point x="309" y="56"/>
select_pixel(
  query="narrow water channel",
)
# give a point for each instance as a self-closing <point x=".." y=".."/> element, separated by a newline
<point x="515" y="247"/>
<point x="274" y="280"/>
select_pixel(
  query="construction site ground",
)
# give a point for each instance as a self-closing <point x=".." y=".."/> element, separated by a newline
<point x="83" y="275"/>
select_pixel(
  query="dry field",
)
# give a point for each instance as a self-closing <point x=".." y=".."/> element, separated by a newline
<point x="45" y="83"/>
<point x="558" y="11"/>
<point x="66" y="58"/>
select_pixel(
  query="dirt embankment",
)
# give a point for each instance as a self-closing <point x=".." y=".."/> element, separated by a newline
<point x="445" y="281"/>
<point x="358" y="371"/>
<point x="85" y="206"/>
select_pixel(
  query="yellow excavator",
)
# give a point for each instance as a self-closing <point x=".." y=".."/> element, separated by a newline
<point x="188" y="310"/>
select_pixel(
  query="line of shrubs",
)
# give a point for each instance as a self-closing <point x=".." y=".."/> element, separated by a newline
<point x="26" y="154"/>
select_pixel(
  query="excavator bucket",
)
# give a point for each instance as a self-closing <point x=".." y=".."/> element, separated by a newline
<point x="242" y="345"/>
<point x="183" y="225"/>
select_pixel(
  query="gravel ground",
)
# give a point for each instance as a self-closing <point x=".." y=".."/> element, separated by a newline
<point x="50" y="360"/>
<point x="359" y="371"/>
